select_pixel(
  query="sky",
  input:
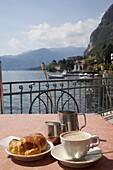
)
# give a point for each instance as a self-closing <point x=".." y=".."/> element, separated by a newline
<point x="32" y="24"/>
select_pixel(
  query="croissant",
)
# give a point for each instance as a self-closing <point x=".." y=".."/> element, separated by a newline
<point x="28" y="145"/>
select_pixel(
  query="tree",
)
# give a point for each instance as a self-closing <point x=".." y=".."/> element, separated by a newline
<point x="90" y="68"/>
<point x="54" y="62"/>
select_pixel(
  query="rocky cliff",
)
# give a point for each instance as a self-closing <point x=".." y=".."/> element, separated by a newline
<point x="104" y="31"/>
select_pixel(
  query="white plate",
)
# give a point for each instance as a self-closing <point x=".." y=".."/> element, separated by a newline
<point x="32" y="157"/>
<point x="5" y="142"/>
<point x="58" y="153"/>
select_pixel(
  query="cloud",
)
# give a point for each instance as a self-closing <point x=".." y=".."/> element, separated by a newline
<point x="47" y="36"/>
<point x="15" y="43"/>
<point x="67" y="34"/>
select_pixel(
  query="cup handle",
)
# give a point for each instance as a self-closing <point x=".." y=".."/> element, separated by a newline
<point x="92" y="145"/>
<point x="84" y="120"/>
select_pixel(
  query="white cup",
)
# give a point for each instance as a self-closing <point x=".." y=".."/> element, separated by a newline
<point x="77" y="143"/>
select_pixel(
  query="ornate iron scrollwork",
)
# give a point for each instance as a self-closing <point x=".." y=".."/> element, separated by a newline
<point x="31" y="86"/>
<point x="21" y="87"/>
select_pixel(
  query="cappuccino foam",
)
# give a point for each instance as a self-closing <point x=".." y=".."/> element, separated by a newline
<point x="76" y="136"/>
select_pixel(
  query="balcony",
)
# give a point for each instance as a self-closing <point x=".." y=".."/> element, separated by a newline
<point x="93" y="95"/>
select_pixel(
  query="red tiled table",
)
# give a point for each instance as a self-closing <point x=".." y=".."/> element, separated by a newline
<point x="21" y="125"/>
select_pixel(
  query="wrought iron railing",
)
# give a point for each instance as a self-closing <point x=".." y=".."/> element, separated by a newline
<point x="91" y="94"/>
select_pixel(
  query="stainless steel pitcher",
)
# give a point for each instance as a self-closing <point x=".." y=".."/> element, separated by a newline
<point x="70" y="120"/>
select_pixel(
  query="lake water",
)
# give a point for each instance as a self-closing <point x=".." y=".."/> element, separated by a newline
<point x="13" y="76"/>
<point x="8" y="76"/>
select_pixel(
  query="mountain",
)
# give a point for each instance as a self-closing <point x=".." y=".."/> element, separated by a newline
<point x="69" y="51"/>
<point x="34" y="58"/>
<point x="104" y="31"/>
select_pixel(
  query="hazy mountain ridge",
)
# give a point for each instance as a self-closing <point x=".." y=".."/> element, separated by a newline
<point x="34" y="58"/>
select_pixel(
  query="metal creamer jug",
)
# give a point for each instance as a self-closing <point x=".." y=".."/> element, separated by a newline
<point x="70" y="120"/>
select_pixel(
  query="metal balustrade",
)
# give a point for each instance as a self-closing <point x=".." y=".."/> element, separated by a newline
<point x="92" y="94"/>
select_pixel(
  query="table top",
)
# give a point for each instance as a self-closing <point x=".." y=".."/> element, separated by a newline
<point x="24" y="124"/>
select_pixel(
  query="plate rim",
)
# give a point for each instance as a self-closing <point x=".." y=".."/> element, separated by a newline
<point x="32" y="156"/>
<point x="76" y="162"/>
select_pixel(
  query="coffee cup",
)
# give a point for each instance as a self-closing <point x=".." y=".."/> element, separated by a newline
<point x="77" y="143"/>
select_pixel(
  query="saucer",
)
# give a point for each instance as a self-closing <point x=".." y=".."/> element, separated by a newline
<point x="32" y="157"/>
<point x="58" y="153"/>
